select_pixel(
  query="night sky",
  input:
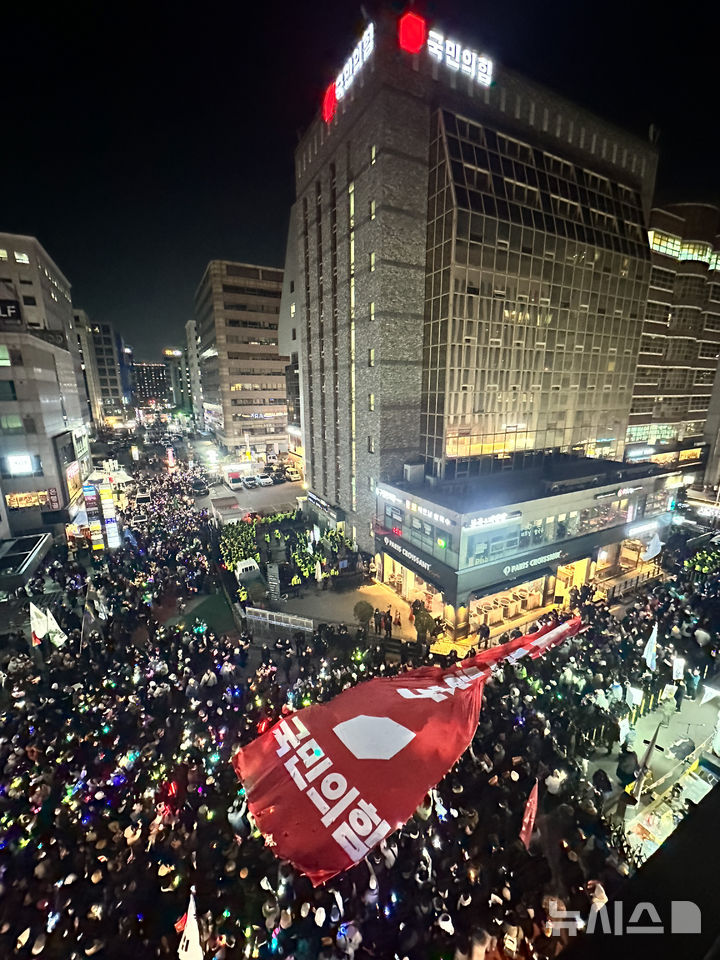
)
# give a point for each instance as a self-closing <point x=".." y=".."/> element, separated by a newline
<point x="141" y="141"/>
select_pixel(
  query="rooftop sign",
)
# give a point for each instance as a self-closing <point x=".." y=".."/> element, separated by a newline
<point x="413" y="36"/>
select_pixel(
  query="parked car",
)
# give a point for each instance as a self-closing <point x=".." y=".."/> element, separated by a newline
<point x="292" y="474"/>
<point x="278" y="478"/>
<point x="264" y="480"/>
<point x="249" y="483"/>
<point x="199" y="488"/>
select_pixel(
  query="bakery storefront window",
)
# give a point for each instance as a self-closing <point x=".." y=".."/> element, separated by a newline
<point x="508" y="605"/>
<point x="410" y="585"/>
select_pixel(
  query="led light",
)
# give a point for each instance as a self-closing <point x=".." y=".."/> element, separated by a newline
<point x="412" y="32"/>
<point x="329" y="104"/>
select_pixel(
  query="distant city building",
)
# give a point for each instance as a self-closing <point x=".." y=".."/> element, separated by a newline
<point x="242" y="371"/>
<point x="44" y="416"/>
<point x="288" y="342"/>
<point x="107" y="368"/>
<point x="151" y="385"/>
<point x="196" y="396"/>
<point x="680" y="344"/>
<point x="178" y="375"/>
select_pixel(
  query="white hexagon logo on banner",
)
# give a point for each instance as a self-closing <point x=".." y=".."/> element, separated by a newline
<point x="373" y="738"/>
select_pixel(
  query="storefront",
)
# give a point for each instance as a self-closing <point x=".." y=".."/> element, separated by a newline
<point x="410" y="585"/>
<point x="322" y="514"/>
<point x="503" y="593"/>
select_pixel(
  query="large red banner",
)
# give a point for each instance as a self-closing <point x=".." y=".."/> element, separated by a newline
<point x="328" y="783"/>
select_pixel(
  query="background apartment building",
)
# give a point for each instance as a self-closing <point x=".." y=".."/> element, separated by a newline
<point x="242" y="371"/>
<point x="44" y="417"/>
<point x="472" y="271"/>
<point x="681" y="335"/>
<point x="178" y="376"/>
<point x="151" y="385"/>
<point x="193" y="359"/>
<point x="107" y="369"/>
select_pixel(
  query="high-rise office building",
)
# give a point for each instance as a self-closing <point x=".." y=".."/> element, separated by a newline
<point x="151" y="386"/>
<point x="470" y="283"/>
<point x="196" y="397"/>
<point x="44" y="417"/>
<point x="289" y="344"/>
<point x="473" y="268"/>
<point x="178" y="375"/>
<point x="242" y="371"/>
<point x="681" y="334"/>
<point x="107" y="369"/>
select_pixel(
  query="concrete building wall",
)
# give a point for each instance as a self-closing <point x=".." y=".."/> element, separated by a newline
<point x="196" y="395"/>
<point x="677" y="366"/>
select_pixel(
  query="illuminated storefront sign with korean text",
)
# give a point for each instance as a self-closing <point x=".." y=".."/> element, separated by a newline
<point x="494" y="520"/>
<point x="414" y="507"/>
<point x="413" y="36"/>
<point x="460" y="59"/>
<point x="108" y="509"/>
<point x="345" y="79"/>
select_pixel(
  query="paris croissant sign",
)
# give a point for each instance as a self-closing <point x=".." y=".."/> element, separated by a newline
<point x="414" y="35"/>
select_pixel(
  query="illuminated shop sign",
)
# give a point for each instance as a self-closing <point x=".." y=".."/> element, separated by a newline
<point x="640" y="453"/>
<point x="622" y="492"/>
<point x="413" y="35"/>
<point x="19" y="465"/>
<point x="460" y="59"/>
<point x="708" y="511"/>
<point x="534" y="562"/>
<point x="108" y="510"/>
<point x="324" y="506"/>
<point x="693" y="454"/>
<point x="24" y="501"/>
<point x="72" y="476"/>
<point x="492" y="521"/>
<point x="345" y="79"/>
<point x="408" y="554"/>
<point x="414" y="507"/>
<point x="675" y="480"/>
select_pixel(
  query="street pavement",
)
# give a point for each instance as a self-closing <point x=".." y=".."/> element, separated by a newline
<point x="279" y="497"/>
<point x="330" y="606"/>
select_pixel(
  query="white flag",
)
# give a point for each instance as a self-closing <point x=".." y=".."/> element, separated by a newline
<point x="653" y="548"/>
<point x="190" y="948"/>
<point x="38" y="624"/>
<point x="650" y="651"/>
<point x="54" y="631"/>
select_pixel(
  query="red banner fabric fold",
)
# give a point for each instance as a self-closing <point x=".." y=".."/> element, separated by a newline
<point x="328" y="783"/>
<point x="528" y="822"/>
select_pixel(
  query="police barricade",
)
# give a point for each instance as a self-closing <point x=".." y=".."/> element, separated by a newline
<point x="272" y="620"/>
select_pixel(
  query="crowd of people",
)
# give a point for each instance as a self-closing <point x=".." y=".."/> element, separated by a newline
<point x="303" y="555"/>
<point x="117" y="795"/>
